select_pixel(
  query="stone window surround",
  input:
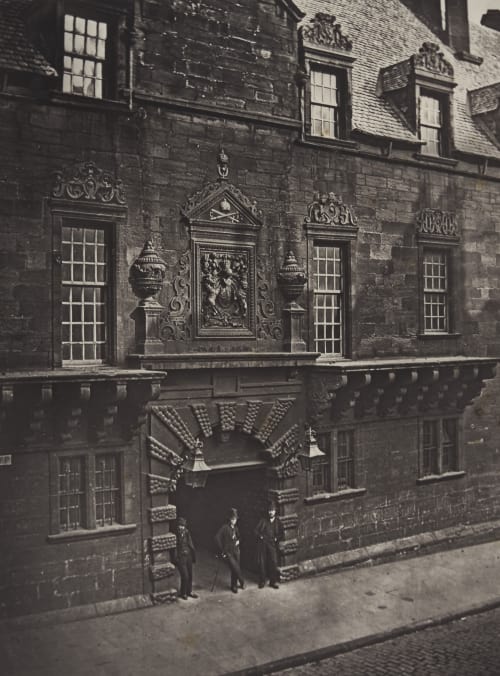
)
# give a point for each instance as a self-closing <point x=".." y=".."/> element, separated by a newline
<point x="449" y="248"/>
<point x="115" y="18"/>
<point x="61" y="213"/>
<point x="342" y="69"/>
<point x="331" y="452"/>
<point x="459" y="472"/>
<point x="90" y="530"/>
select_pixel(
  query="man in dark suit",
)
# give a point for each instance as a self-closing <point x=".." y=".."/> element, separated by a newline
<point x="228" y="543"/>
<point x="184" y="555"/>
<point x="269" y="532"/>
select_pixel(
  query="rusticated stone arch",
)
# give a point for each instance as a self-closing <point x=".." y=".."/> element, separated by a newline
<point x="279" y="438"/>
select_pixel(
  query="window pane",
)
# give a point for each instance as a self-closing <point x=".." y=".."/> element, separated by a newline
<point x="435" y="292"/>
<point x="107" y="489"/>
<point x="324" y="104"/>
<point x="345" y="459"/>
<point x="449" y="445"/>
<point x="320" y="475"/>
<point x="328" y="299"/>
<point x="430" y="463"/>
<point x="431" y="123"/>
<point x="85" y="50"/>
<point x="84" y="293"/>
<point x="71" y="493"/>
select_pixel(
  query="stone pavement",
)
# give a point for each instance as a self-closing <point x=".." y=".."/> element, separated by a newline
<point x="222" y="633"/>
<point x="467" y="646"/>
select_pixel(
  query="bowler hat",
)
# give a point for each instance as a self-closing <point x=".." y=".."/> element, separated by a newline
<point x="272" y="507"/>
<point x="233" y="513"/>
<point x="181" y="521"/>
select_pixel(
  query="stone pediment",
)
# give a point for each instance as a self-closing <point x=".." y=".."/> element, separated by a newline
<point x="221" y="202"/>
<point x="324" y="32"/>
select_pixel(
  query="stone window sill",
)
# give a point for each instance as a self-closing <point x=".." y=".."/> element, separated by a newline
<point x="338" y="143"/>
<point x="89" y="534"/>
<point x="331" y="497"/>
<point x="446" y="476"/>
<point x="427" y="336"/>
<point x="436" y="160"/>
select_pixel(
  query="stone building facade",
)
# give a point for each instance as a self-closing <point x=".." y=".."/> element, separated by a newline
<point x="233" y="234"/>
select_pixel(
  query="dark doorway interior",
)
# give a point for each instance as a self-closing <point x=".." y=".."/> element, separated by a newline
<point x="207" y="508"/>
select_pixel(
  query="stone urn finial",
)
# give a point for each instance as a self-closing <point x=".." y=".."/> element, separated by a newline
<point x="291" y="278"/>
<point x="147" y="273"/>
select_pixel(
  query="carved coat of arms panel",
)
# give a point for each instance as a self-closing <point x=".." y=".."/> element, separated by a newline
<point x="224" y="291"/>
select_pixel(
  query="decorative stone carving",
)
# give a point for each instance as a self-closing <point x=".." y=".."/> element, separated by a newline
<point x="289" y="521"/>
<point x="201" y="414"/>
<point x="85" y="181"/>
<point x="287" y="444"/>
<point x="162" y="514"/>
<point x="329" y="209"/>
<point x="173" y="421"/>
<point x="162" y="571"/>
<point x="160" y="452"/>
<point x="431" y="59"/>
<point x="147" y="273"/>
<point x="284" y="496"/>
<point x="174" y="324"/>
<point x="253" y="409"/>
<point x="162" y="543"/>
<point x="224" y="288"/>
<point x="323" y="31"/>
<point x="268" y="324"/>
<point x="146" y="277"/>
<point x="437" y="222"/>
<point x="223" y="164"/>
<point x="212" y="196"/>
<point x="161" y="598"/>
<point x="286" y="470"/>
<point x="289" y="573"/>
<point x="227" y="415"/>
<point x="288" y="546"/>
<point x="161" y="485"/>
<point x="278" y="412"/>
<point x="291" y="278"/>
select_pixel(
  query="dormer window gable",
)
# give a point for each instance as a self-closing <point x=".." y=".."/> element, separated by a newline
<point x="327" y="63"/>
<point x="484" y="104"/>
<point x="83" y="41"/>
<point x="421" y="89"/>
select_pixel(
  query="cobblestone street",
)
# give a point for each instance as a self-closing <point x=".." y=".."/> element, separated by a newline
<point x="469" y="646"/>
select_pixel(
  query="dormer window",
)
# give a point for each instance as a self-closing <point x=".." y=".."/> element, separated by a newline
<point x="325" y="103"/>
<point x="327" y="92"/>
<point x="84" y="56"/>
<point x="421" y="87"/>
<point x="431" y="123"/>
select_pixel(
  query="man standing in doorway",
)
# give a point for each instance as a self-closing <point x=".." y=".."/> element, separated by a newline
<point x="184" y="555"/>
<point x="269" y="532"/>
<point x="228" y="543"/>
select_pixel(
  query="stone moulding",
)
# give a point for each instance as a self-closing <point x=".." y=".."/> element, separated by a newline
<point x="289" y="573"/>
<point x="86" y="181"/>
<point x="253" y="409"/>
<point x="168" y="596"/>
<point x="162" y="514"/>
<point x="437" y="222"/>
<point x="171" y="418"/>
<point x="202" y="416"/>
<point x="329" y="209"/>
<point x="162" y="543"/>
<point x="161" y="485"/>
<point x="161" y="571"/>
<point x="323" y="31"/>
<point x="160" y="452"/>
<point x="278" y="412"/>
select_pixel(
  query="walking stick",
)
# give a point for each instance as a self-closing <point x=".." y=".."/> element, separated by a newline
<point x="216" y="573"/>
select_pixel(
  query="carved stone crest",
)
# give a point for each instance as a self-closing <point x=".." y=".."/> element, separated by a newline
<point x="225" y="289"/>
<point x="85" y="181"/>
<point x="322" y="30"/>
<point x="430" y="58"/>
<point x="329" y="209"/>
<point x="437" y="222"/>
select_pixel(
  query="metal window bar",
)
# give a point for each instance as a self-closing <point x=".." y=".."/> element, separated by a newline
<point x="431" y="124"/>
<point x="325" y="97"/>
<point x="430" y="451"/>
<point x="71" y="494"/>
<point x="328" y="300"/>
<point x="435" y="292"/>
<point x="345" y="460"/>
<point x="107" y="490"/>
<point x="84" y="55"/>
<point x="84" y="294"/>
<point x="449" y="450"/>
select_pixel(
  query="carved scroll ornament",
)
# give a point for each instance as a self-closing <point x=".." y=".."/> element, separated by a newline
<point x="329" y="209"/>
<point x="430" y="58"/>
<point x="85" y="181"/>
<point x="437" y="222"/>
<point x="322" y="30"/>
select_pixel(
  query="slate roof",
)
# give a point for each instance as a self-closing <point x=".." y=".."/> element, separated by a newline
<point x="16" y="51"/>
<point x="385" y="32"/>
